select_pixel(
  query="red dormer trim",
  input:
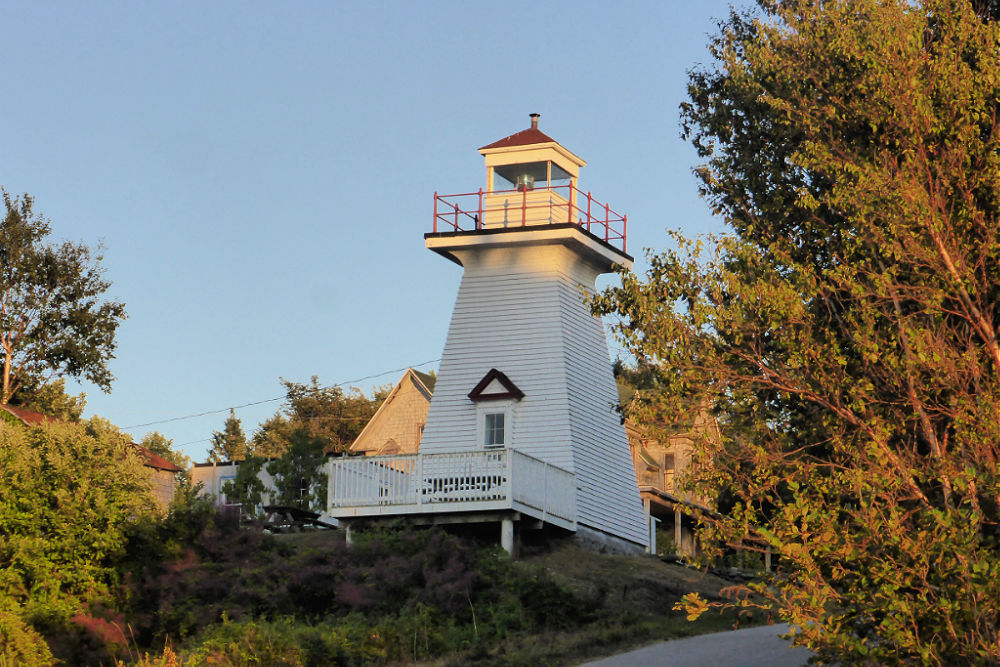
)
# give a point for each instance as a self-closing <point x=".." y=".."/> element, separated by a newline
<point x="477" y="394"/>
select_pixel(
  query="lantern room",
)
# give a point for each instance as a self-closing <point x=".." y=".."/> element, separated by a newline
<point x="531" y="180"/>
<point x="528" y="160"/>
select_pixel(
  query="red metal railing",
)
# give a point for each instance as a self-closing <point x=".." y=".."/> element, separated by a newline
<point x="528" y="208"/>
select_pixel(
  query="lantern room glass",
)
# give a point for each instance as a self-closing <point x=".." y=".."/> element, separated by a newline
<point x="530" y="176"/>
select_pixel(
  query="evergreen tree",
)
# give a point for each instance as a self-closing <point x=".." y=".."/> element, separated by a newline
<point x="230" y="444"/>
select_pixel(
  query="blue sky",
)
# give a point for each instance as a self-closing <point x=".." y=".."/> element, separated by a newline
<point x="262" y="174"/>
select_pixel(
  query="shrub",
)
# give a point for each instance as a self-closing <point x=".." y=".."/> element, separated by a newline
<point x="350" y="641"/>
<point x="66" y="498"/>
<point x="20" y="644"/>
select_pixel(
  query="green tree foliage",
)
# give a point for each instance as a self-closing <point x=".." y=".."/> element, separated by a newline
<point x="846" y="332"/>
<point x="160" y="444"/>
<point x="633" y="381"/>
<point x="54" y="320"/>
<point x="328" y="413"/>
<point x="298" y="475"/>
<point x="247" y="488"/>
<point x="51" y="399"/>
<point x="20" y="644"/>
<point x="229" y="444"/>
<point x="270" y="440"/>
<point x="67" y="494"/>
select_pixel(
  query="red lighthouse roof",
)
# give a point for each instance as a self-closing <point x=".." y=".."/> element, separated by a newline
<point x="523" y="138"/>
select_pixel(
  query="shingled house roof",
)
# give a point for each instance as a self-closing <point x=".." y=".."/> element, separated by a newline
<point x="32" y="418"/>
<point x="156" y="461"/>
<point x="29" y="417"/>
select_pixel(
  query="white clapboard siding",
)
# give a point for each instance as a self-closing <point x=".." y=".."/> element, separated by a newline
<point x="520" y="310"/>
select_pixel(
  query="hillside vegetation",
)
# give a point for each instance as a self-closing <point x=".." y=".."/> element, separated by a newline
<point x="196" y="588"/>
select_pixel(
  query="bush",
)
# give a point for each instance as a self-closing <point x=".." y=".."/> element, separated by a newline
<point x="66" y="498"/>
<point x="285" y="642"/>
<point x="395" y="594"/>
<point x="20" y="644"/>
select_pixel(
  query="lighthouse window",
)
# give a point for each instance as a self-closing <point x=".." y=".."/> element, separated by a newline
<point x="494" y="430"/>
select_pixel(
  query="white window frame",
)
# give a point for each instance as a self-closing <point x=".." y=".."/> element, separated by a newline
<point x="504" y="407"/>
<point x="224" y="499"/>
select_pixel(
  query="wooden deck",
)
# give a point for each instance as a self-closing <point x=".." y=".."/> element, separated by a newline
<point x="478" y="481"/>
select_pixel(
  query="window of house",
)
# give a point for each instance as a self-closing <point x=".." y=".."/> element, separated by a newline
<point x="224" y="499"/>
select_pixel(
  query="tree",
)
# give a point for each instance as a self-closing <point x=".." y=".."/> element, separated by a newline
<point x="327" y="413"/>
<point x="845" y="333"/>
<point x="230" y="444"/>
<point x="163" y="446"/>
<point x="298" y="475"/>
<point x="247" y="488"/>
<point x="54" y="320"/>
<point x="52" y="400"/>
<point x="67" y="494"/>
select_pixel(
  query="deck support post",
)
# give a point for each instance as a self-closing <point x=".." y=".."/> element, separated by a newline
<point x="678" y="530"/>
<point x="507" y="536"/>
<point x="348" y="533"/>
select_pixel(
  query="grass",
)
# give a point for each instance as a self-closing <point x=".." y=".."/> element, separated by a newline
<point x="559" y="605"/>
<point x="635" y="596"/>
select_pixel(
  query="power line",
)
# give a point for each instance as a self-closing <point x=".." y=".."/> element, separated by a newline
<point x="272" y="400"/>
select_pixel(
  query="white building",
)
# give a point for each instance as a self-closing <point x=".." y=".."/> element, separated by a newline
<point x="213" y="476"/>
<point x="521" y="428"/>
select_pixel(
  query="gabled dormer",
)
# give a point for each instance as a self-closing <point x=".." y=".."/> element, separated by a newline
<point x="496" y="400"/>
<point x="495" y="386"/>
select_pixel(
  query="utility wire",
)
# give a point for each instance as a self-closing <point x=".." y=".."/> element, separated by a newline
<point x="272" y="400"/>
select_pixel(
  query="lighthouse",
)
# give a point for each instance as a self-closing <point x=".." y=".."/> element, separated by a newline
<point x="521" y="428"/>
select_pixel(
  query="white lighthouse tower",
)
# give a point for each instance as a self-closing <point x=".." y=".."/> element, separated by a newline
<point x="521" y="428"/>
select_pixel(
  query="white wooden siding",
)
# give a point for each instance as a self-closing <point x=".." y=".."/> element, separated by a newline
<point x="521" y="311"/>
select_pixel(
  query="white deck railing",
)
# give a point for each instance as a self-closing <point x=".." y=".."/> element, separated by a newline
<point x="453" y="482"/>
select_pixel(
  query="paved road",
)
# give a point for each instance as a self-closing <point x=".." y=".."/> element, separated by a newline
<point x="752" y="647"/>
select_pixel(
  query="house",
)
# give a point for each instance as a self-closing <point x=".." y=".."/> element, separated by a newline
<point x="164" y="475"/>
<point x="395" y="428"/>
<point x="398" y="424"/>
<point x="213" y="476"/>
<point x="210" y="480"/>
<point x="659" y="468"/>
<point x="163" y="471"/>
<point x="520" y="432"/>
